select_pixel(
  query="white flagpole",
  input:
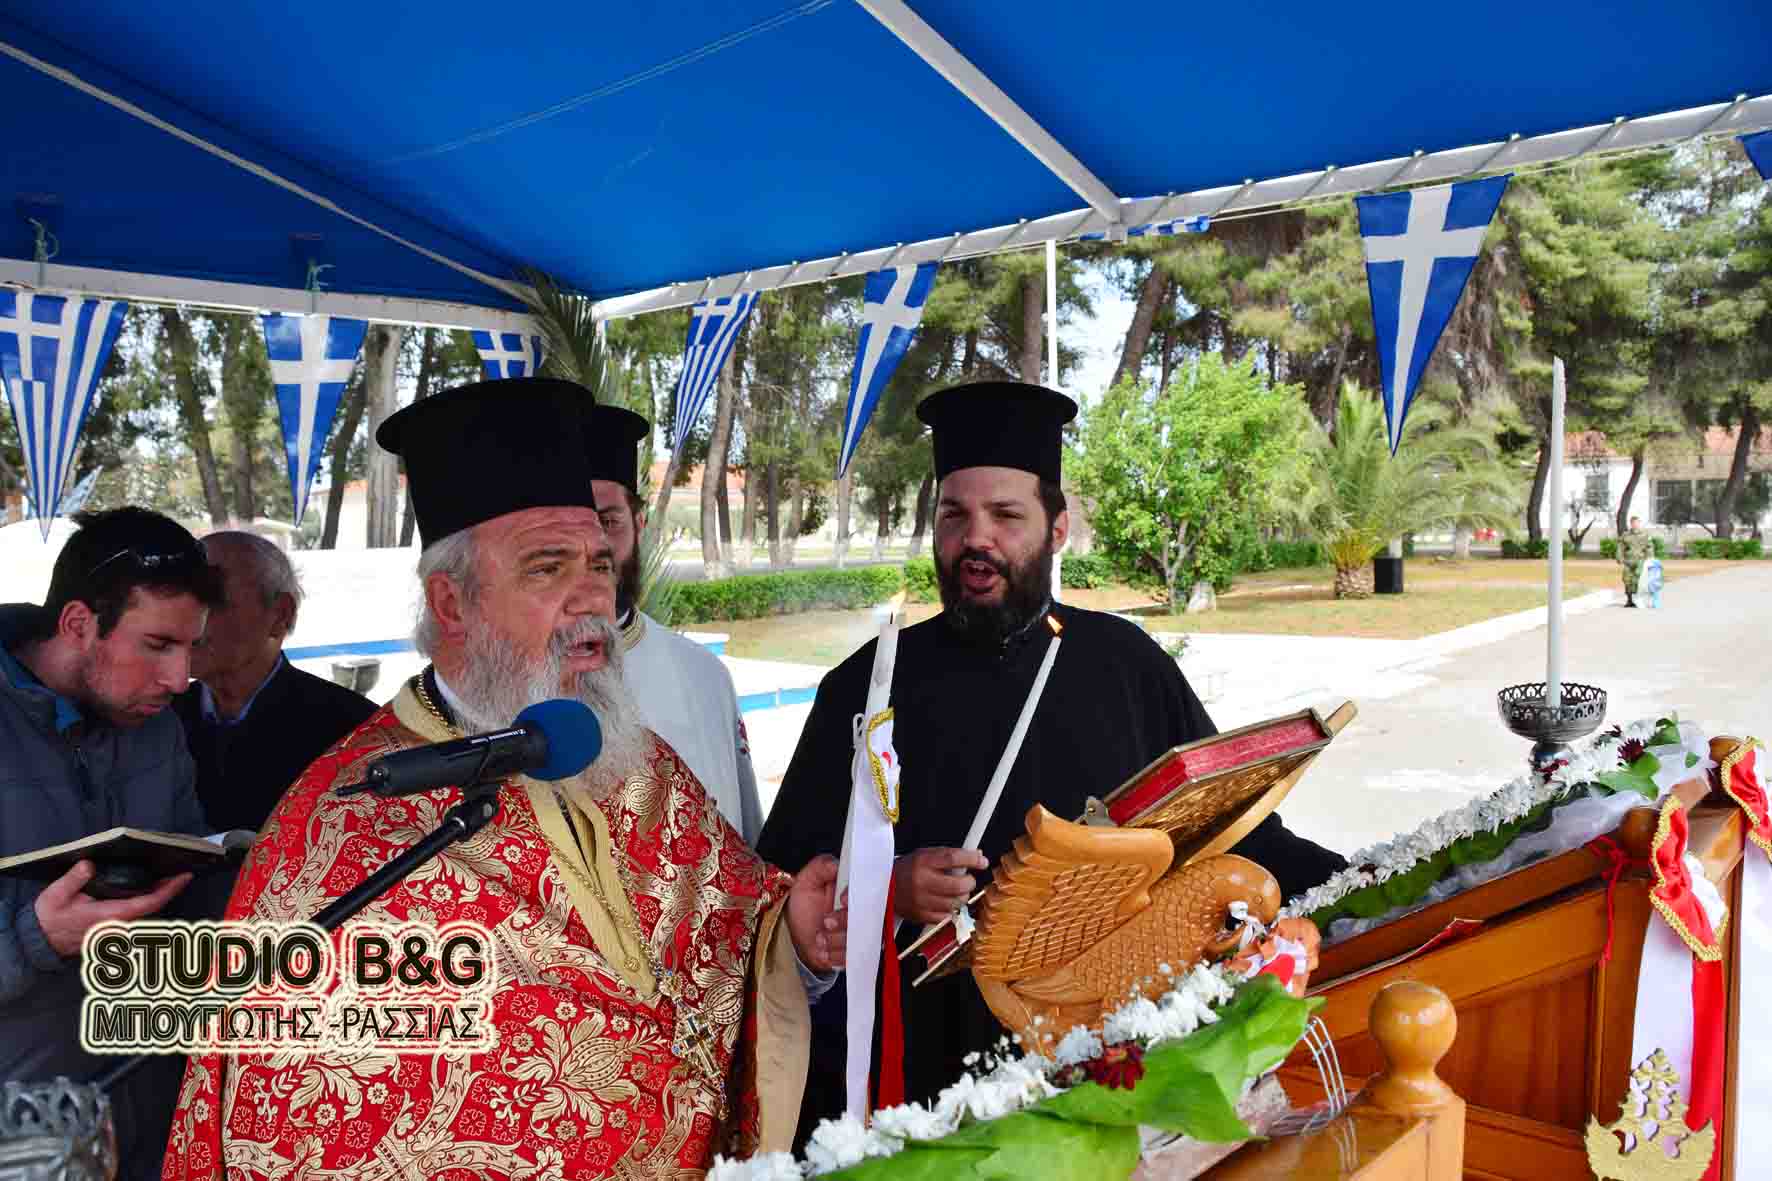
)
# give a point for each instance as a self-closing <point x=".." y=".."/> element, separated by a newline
<point x="1052" y="313"/>
<point x="1052" y="378"/>
<point x="1553" y="688"/>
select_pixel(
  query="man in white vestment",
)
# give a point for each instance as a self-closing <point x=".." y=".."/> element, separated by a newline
<point x="684" y="691"/>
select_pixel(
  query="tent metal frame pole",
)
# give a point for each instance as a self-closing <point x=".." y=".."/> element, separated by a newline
<point x="175" y="291"/>
<point x="1739" y="117"/>
<point x="988" y="97"/>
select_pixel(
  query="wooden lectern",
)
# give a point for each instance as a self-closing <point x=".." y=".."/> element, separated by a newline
<point x="1406" y="1125"/>
<point x="1544" y="1025"/>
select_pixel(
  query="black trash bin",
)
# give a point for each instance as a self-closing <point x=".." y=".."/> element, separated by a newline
<point x="1387" y="575"/>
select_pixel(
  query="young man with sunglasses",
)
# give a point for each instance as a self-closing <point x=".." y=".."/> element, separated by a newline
<point x="86" y="744"/>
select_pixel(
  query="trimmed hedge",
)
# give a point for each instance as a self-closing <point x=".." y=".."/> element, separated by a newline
<point x="752" y="596"/>
<point x="1532" y="549"/>
<point x="1731" y="548"/>
<point x="1286" y="555"/>
<point x="919" y="580"/>
<point x="1609" y="547"/>
<point x="1086" y="571"/>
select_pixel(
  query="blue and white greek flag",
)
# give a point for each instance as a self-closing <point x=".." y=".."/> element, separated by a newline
<point x="311" y="362"/>
<point x="1182" y="225"/>
<point x="508" y="354"/>
<point x="892" y="307"/>
<point x="1759" y="150"/>
<point x="52" y="351"/>
<point x="1420" y="248"/>
<point x="713" y="328"/>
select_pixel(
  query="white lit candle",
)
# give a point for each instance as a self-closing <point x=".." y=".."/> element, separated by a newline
<point x="1553" y="678"/>
<point x="879" y="697"/>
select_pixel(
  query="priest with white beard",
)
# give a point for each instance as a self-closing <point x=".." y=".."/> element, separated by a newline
<point x="653" y="973"/>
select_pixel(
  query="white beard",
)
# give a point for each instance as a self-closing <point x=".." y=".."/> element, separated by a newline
<point x="498" y="683"/>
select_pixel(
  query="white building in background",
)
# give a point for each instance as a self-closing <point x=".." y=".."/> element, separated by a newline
<point x="1686" y="470"/>
<point x="353" y="513"/>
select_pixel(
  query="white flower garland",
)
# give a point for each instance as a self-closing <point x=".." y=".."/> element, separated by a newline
<point x="1600" y="756"/>
<point x="1009" y="1084"/>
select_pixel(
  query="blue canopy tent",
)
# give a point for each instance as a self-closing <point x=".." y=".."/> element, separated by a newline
<point x="215" y="153"/>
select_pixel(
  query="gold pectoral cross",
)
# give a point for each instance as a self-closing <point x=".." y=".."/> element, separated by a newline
<point x="694" y="1044"/>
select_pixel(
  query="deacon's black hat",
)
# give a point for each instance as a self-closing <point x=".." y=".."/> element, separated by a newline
<point x="998" y="424"/>
<point x="610" y="437"/>
<point x="480" y="451"/>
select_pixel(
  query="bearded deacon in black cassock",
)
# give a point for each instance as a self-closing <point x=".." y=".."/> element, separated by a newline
<point x="1113" y="702"/>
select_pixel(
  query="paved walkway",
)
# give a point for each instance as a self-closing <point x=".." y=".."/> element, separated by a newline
<point x="1431" y="737"/>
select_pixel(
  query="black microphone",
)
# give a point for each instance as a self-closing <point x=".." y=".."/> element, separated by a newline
<point x="550" y="740"/>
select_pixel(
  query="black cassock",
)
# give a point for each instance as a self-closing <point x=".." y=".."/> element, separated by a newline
<point x="1113" y="703"/>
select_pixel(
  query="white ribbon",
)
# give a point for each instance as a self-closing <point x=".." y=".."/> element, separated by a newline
<point x="1251" y="927"/>
<point x="869" y="855"/>
<point x="1754" y="1053"/>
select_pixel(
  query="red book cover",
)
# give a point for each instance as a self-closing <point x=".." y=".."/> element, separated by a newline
<point x="1228" y="752"/>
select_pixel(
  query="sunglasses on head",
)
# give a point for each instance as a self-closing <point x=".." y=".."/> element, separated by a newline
<point x="154" y="560"/>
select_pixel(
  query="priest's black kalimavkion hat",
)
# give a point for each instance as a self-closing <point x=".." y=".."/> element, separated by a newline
<point x="998" y="424"/>
<point x="611" y="438"/>
<point x="480" y="451"/>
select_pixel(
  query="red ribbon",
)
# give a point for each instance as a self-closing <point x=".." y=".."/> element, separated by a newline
<point x="1617" y="861"/>
<point x="1709" y="1017"/>
<point x="889" y="1086"/>
<point x="1743" y="787"/>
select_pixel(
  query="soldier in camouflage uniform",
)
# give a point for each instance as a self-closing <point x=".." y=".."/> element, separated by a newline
<point x="1634" y="548"/>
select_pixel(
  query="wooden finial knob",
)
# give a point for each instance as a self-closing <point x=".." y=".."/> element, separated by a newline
<point x="1414" y="1024"/>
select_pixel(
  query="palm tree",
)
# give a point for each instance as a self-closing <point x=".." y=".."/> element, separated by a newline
<point x="574" y="350"/>
<point x="1356" y="496"/>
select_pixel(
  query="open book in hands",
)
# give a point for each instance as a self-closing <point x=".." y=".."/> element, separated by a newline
<point x="131" y="861"/>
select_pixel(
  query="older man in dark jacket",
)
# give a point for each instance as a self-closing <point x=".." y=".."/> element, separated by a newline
<point x="254" y="721"/>
<point x="87" y="744"/>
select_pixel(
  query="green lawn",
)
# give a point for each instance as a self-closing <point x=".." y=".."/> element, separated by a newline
<point x="1440" y="595"/>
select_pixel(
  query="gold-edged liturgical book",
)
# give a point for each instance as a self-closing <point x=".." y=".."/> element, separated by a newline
<point x="1205" y="796"/>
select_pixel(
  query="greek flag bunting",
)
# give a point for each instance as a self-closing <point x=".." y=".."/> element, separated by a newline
<point x="713" y="328"/>
<point x="311" y="362"/>
<point x="1420" y="249"/>
<point x="52" y="351"/>
<point x="1759" y="150"/>
<point x="508" y="354"/>
<point x="892" y="307"/>
<point x="1183" y="225"/>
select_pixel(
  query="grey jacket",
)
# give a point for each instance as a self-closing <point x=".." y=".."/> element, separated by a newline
<point x="63" y="777"/>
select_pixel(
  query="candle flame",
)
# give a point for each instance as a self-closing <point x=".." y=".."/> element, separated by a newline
<point x="896" y="604"/>
<point x="1057" y="627"/>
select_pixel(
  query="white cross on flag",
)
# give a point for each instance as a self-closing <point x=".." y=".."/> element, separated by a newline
<point x="52" y="351"/>
<point x="713" y="328"/>
<point x="1420" y="249"/>
<point x="892" y="307"/>
<point x="311" y="362"/>
<point x="508" y="354"/>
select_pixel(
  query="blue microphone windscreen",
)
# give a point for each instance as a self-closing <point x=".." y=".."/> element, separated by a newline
<point x="574" y="736"/>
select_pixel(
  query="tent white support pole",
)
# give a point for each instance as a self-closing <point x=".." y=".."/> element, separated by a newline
<point x="1236" y="195"/>
<point x="1733" y="118"/>
<point x="1051" y="314"/>
<point x="1396" y="177"/>
<point x="988" y="97"/>
<point x="1491" y="159"/>
<point x="1723" y="114"/>
<point x="248" y="297"/>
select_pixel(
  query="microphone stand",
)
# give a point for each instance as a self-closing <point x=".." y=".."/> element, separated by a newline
<point x="478" y="808"/>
